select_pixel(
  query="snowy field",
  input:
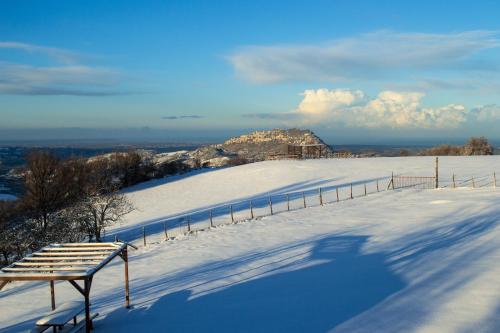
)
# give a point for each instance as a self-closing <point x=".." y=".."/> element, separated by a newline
<point x="194" y="193"/>
<point x="395" y="261"/>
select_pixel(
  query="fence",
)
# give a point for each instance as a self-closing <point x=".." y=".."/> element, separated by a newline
<point x="274" y="204"/>
<point x="423" y="183"/>
<point x="248" y="209"/>
<point x="485" y="180"/>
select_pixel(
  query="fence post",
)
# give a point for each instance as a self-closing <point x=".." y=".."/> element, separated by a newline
<point x="165" y="230"/>
<point x="352" y="197"/>
<point x="232" y="216"/>
<point x="304" y="198"/>
<point x="454" y="184"/>
<point x="377" y="186"/>
<point x="144" y="236"/>
<point x="437" y="172"/>
<point x="365" y="189"/>
<point x="337" y="191"/>
<point x="251" y="210"/>
<point x="189" y="223"/>
<point x="288" y="202"/>
<point x="320" y="197"/>
<point x="271" y="205"/>
<point x="211" y="218"/>
<point x="473" y="182"/>
<point x="494" y="179"/>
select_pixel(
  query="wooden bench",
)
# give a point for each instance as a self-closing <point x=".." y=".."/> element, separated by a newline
<point x="59" y="317"/>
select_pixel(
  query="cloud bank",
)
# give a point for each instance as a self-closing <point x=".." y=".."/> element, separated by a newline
<point x="388" y="109"/>
<point x="369" y="55"/>
<point x="485" y="113"/>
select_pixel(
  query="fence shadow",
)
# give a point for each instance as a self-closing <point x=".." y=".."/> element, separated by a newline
<point x="314" y="294"/>
<point x="156" y="225"/>
<point x="308" y="188"/>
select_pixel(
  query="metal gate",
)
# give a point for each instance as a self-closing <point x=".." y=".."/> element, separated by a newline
<point x="422" y="183"/>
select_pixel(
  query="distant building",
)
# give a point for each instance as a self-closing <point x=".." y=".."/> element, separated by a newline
<point x="306" y="151"/>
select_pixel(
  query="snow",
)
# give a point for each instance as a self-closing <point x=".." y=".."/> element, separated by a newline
<point x="196" y="192"/>
<point x="395" y="261"/>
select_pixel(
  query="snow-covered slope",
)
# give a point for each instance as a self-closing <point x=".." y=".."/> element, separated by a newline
<point x="395" y="261"/>
<point x="175" y="196"/>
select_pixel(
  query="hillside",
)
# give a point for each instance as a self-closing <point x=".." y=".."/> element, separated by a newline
<point x="259" y="145"/>
<point x="215" y="187"/>
<point x="395" y="261"/>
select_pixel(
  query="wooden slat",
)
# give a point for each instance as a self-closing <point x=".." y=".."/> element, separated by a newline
<point x="43" y="276"/>
<point x="109" y="258"/>
<point x="62" y="314"/>
<point x="75" y="263"/>
<point x="48" y="269"/>
<point x="87" y="244"/>
<point x="73" y="254"/>
<point x="79" y="325"/>
<point x="76" y="249"/>
<point x="68" y="259"/>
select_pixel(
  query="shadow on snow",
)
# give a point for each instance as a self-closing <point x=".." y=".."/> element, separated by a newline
<point x="260" y="200"/>
<point x="334" y="283"/>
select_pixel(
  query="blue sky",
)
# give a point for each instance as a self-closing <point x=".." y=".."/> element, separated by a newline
<point x="353" y="71"/>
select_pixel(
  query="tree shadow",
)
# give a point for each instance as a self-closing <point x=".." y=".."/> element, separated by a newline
<point x="420" y="243"/>
<point x="168" y="179"/>
<point x="335" y="282"/>
<point x="446" y="258"/>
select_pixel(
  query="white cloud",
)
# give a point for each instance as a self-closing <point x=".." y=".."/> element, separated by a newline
<point x="389" y="109"/>
<point x="58" y="80"/>
<point x="24" y="74"/>
<point x="66" y="77"/>
<point x="317" y="102"/>
<point x="487" y="112"/>
<point x="365" y="56"/>
<point x="61" y="55"/>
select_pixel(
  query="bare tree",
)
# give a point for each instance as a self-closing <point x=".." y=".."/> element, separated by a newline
<point x="16" y="233"/>
<point x="477" y="146"/>
<point x="51" y="185"/>
<point x="99" y="210"/>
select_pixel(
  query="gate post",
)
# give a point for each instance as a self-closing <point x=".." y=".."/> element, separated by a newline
<point x="437" y="172"/>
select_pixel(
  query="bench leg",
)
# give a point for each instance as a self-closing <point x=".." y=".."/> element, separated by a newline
<point x="74" y="320"/>
<point x="88" y="321"/>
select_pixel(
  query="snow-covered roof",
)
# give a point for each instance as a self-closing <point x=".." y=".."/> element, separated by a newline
<point x="70" y="261"/>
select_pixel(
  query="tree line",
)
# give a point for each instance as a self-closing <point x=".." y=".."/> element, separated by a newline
<point x="67" y="200"/>
<point x="475" y="146"/>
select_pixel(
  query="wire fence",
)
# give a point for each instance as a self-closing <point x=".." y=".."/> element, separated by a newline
<point x="259" y="207"/>
<point x="478" y="181"/>
<point x="423" y="183"/>
<point x="244" y="210"/>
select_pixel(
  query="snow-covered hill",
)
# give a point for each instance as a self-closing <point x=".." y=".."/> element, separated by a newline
<point x="395" y="261"/>
<point x="172" y="197"/>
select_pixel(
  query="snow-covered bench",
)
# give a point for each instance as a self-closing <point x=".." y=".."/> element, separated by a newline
<point x="59" y="317"/>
